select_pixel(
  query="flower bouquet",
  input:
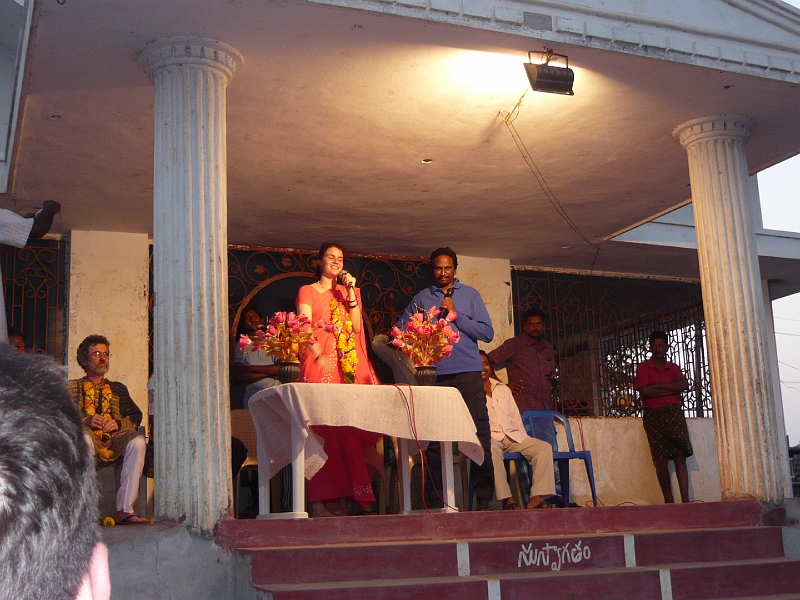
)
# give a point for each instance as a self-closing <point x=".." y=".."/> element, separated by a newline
<point x="424" y="341"/>
<point x="285" y="336"/>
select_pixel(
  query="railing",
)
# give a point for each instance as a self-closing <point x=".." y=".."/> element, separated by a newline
<point x="599" y="328"/>
<point x="35" y="295"/>
<point x="598" y="325"/>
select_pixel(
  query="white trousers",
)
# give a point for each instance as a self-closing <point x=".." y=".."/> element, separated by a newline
<point x="132" y="466"/>
<point x="538" y="453"/>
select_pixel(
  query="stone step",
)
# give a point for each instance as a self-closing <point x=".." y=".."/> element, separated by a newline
<point x="398" y="560"/>
<point x="475" y="525"/>
<point x="736" y="578"/>
<point x="767" y="579"/>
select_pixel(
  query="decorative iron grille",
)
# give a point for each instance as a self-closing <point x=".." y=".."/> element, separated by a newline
<point x="599" y="328"/>
<point x="388" y="283"/>
<point x="35" y="295"/>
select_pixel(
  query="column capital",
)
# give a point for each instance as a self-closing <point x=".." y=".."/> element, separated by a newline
<point x="193" y="52"/>
<point x="721" y="126"/>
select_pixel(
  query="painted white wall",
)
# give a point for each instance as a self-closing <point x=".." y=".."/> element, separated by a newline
<point x="492" y="278"/>
<point x="108" y="294"/>
<point x="623" y="469"/>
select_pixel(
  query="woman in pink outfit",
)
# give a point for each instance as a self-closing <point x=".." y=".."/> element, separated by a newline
<point x="339" y="356"/>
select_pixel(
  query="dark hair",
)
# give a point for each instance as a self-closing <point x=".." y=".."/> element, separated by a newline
<point x="491" y="365"/>
<point x="533" y="312"/>
<point x="445" y="251"/>
<point x="242" y="326"/>
<point x="48" y="493"/>
<point x="83" y="347"/>
<point x="658" y="335"/>
<point x="322" y="250"/>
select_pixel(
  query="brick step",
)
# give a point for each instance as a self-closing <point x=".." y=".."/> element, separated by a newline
<point x="491" y="557"/>
<point x="736" y="578"/>
<point x="768" y="578"/>
<point x="474" y="525"/>
<point x="795" y="596"/>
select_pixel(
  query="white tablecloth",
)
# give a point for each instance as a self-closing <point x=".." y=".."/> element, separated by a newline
<point x="439" y="414"/>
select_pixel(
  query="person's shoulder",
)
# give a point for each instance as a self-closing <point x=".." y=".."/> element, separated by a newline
<point x="497" y="384"/>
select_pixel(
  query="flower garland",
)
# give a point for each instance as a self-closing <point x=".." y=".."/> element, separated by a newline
<point x="345" y="341"/>
<point x="91" y="396"/>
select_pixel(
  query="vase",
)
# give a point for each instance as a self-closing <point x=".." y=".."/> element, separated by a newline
<point x="425" y="375"/>
<point x="288" y="371"/>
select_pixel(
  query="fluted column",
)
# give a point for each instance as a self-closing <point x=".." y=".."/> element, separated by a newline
<point x="748" y="440"/>
<point x="190" y="276"/>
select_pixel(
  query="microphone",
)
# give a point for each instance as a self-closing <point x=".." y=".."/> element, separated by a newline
<point x="447" y="294"/>
<point x="340" y="278"/>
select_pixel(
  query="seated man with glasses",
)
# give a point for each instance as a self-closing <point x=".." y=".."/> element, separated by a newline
<point x="112" y="434"/>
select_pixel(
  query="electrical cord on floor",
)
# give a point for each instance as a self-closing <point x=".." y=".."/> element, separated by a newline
<point x="412" y="422"/>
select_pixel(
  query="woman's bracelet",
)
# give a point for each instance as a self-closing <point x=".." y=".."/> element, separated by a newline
<point x="352" y="304"/>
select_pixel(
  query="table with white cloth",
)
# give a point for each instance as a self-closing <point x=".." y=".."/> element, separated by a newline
<point x="282" y="416"/>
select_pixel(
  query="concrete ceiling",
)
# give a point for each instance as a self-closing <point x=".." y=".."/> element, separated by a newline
<point x="334" y="110"/>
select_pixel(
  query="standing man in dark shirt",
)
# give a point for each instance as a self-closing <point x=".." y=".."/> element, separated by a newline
<point x="463" y="368"/>
<point x="529" y="363"/>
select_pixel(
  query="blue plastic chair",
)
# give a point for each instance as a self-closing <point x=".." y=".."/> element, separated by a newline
<point x="540" y="424"/>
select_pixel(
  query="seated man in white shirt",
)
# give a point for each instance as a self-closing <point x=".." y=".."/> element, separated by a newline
<point x="256" y="370"/>
<point x="508" y="435"/>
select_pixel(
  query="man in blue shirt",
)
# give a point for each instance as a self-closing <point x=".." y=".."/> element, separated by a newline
<point x="462" y="369"/>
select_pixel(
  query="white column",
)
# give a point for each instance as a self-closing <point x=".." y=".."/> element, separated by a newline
<point x="748" y="438"/>
<point x="190" y="268"/>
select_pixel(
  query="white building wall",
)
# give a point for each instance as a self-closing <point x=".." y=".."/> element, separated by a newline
<point x="623" y="469"/>
<point x="492" y="278"/>
<point x="108" y="294"/>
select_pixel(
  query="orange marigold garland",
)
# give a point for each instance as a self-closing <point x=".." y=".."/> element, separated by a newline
<point x="345" y="341"/>
<point x="93" y="396"/>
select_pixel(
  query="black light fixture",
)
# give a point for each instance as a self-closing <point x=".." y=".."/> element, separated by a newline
<point x="548" y="78"/>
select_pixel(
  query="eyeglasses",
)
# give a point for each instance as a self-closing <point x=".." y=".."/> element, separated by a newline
<point x="98" y="354"/>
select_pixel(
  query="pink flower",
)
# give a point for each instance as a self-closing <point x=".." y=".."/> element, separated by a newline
<point x="447" y="349"/>
<point x="397" y="343"/>
<point x="272" y="329"/>
<point x="451" y="315"/>
<point x="244" y="342"/>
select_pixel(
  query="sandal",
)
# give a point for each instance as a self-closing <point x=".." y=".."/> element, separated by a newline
<point x="124" y="518"/>
<point x="318" y="510"/>
<point x="510" y="504"/>
<point x="538" y="502"/>
<point x="364" y="508"/>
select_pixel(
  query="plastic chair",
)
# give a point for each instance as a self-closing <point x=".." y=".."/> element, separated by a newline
<point x="541" y="425"/>
<point x="242" y="428"/>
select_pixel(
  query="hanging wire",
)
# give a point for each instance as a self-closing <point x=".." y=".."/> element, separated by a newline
<point x="508" y="119"/>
